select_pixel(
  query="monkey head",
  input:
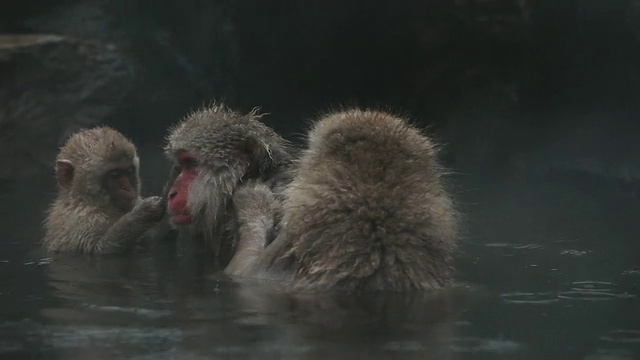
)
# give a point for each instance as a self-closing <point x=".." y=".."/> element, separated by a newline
<point x="100" y="166"/>
<point x="214" y="150"/>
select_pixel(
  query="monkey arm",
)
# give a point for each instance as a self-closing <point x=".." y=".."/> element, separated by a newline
<point x="255" y="206"/>
<point x="129" y="228"/>
<point x="256" y="255"/>
<point x="161" y="230"/>
<point x="272" y="262"/>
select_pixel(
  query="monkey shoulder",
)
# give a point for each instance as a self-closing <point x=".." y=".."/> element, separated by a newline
<point x="74" y="227"/>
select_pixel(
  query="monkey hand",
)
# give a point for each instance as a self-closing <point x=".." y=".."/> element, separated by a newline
<point x="152" y="208"/>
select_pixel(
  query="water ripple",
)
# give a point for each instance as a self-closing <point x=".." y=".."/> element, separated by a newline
<point x="579" y="291"/>
<point x="171" y="354"/>
<point x="475" y="344"/>
<point x="404" y="346"/>
<point x="631" y="272"/>
<point x="515" y="246"/>
<point x="75" y="336"/>
<point x="611" y="354"/>
<point x="593" y="291"/>
<point x="573" y="252"/>
<point x="40" y="262"/>
<point x="622" y="336"/>
<point x="586" y="296"/>
<point x="529" y="298"/>
<point x="130" y="310"/>
<point x="527" y="246"/>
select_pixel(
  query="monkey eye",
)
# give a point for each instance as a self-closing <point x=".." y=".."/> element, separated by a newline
<point x="117" y="173"/>
<point x="114" y="174"/>
<point x="189" y="162"/>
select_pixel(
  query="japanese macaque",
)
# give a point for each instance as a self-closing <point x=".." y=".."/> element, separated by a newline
<point x="219" y="154"/>
<point x="364" y="208"/>
<point x="98" y="208"/>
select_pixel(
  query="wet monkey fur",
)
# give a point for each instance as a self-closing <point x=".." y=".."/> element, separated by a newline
<point x="362" y="208"/>
<point x="98" y="208"/>
<point x="218" y="155"/>
<point x="366" y="210"/>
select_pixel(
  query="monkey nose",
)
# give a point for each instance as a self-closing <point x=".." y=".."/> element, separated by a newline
<point x="173" y="194"/>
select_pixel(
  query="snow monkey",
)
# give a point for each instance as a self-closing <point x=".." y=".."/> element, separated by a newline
<point x="218" y="155"/>
<point x="98" y="208"/>
<point x="362" y="208"/>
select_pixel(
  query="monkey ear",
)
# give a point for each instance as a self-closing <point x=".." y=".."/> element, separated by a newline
<point x="64" y="172"/>
<point x="255" y="151"/>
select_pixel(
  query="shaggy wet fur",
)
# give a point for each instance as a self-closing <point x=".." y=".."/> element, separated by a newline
<point x="366" y="210"/>
<point x="233" y="150"/>
<point x="82" y="214"/>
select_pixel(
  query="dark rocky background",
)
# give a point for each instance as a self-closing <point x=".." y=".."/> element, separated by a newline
<point x="514" y="88"/>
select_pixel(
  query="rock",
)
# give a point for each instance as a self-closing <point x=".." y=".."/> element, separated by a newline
<point x="491" y="76"/>
<point x="51" y="86"/>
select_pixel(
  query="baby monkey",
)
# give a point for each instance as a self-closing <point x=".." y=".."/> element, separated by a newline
<point x="98" y="208"/>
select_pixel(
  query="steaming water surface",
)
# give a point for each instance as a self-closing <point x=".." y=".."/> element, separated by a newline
<point x="550" y="270"/>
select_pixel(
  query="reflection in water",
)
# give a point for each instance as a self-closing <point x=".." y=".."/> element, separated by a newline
<point x="553" y="276"/>
<point x="112" y="307"/>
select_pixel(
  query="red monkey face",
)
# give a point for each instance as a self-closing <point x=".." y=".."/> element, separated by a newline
<point x="179" y="193"/>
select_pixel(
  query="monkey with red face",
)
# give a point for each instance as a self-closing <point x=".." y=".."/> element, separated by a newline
<point x="98" y="207"/>
<point x="218" y="154"/>
<point x="363" y="208"/>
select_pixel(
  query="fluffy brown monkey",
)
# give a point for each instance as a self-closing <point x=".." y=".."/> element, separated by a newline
<point x="365" y="210"/>
<point x="98" y="207"/>
<point x="219" y="153"/>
